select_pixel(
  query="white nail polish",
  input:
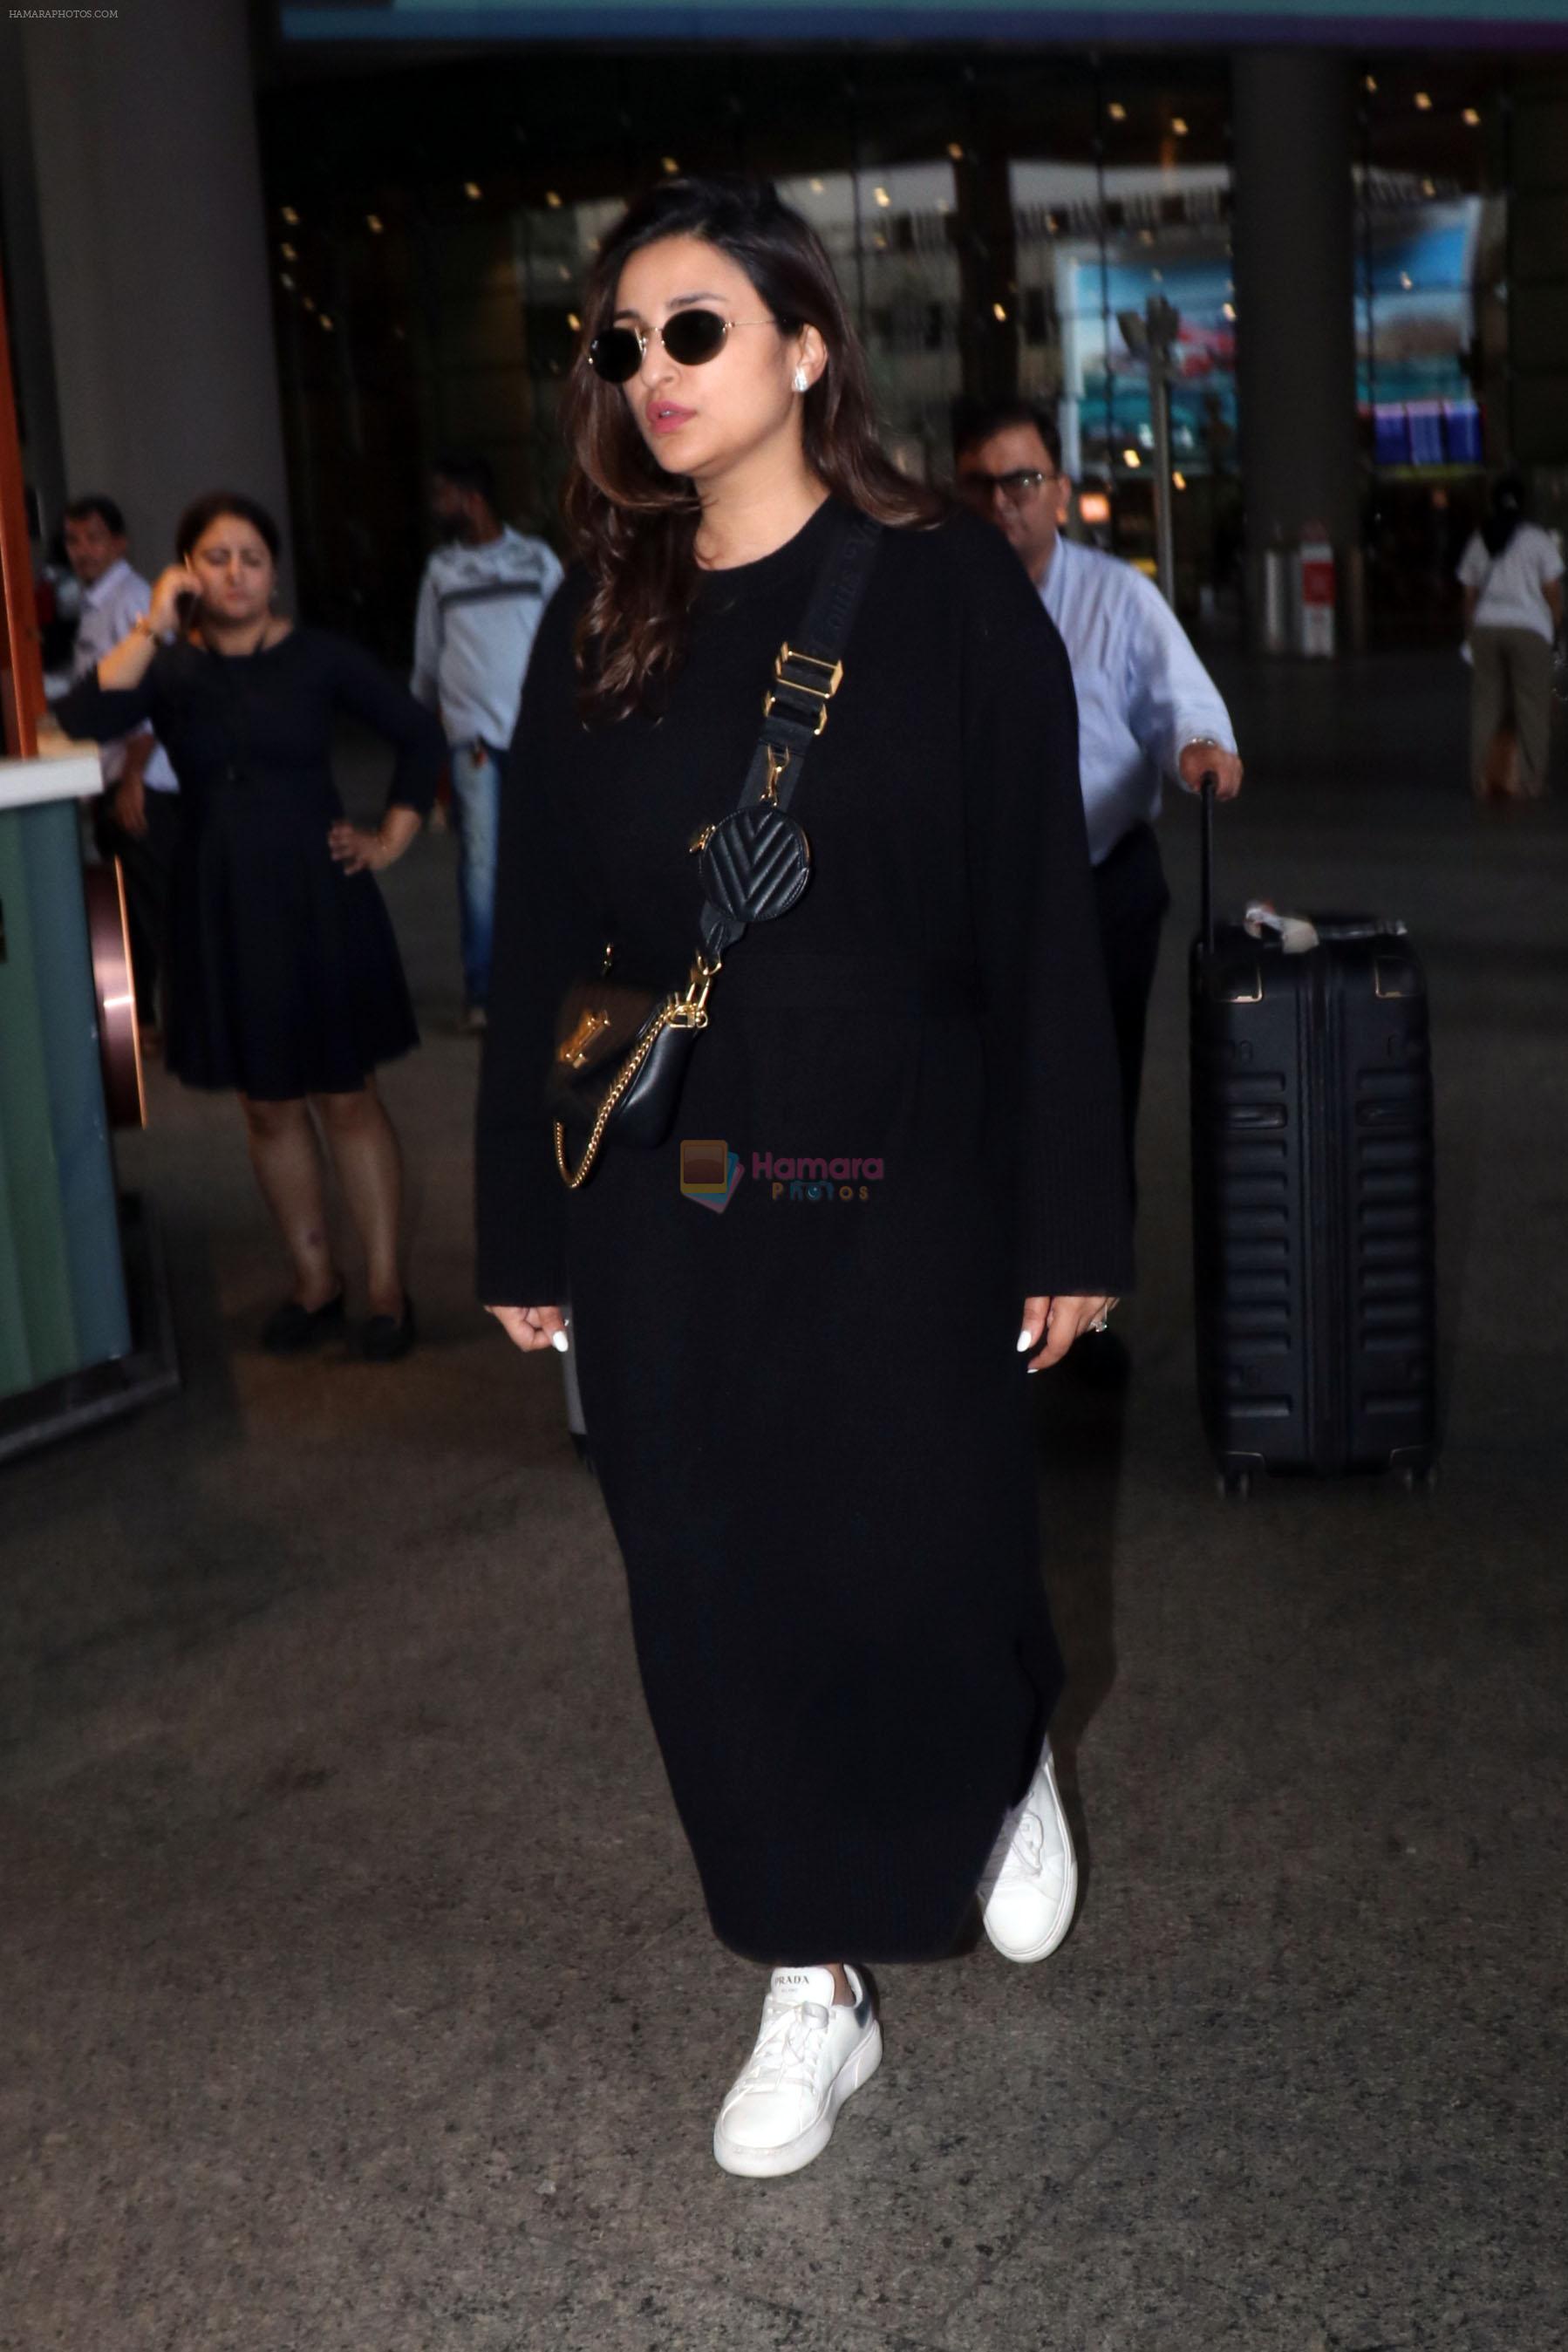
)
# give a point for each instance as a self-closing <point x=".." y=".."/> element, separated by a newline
<point x="558" y="1341"/>
<point x="1025" y="1340"/>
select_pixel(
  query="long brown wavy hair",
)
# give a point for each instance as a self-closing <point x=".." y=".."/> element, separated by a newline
<point x="634" y="525"/>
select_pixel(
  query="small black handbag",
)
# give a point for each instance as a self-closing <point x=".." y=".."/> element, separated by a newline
<point x="621" y="1048"/>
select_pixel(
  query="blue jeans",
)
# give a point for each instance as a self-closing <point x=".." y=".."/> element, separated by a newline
<point x="476" y="810"/>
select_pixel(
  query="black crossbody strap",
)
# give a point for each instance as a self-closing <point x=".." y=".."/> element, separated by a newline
<point x="807" y="672"/>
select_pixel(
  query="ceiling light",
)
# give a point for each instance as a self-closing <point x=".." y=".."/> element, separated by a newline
<point x="1130" y="457"/>
<point x="999" y="312"/>
<point x="668" y="164"/>
<point x="1178" y="124"/>
<point x="1116" y="111"/>
<point x="573" y="321"/>
<point x="288" y="253"/>
<point x="553" y="199"/>
<point x="955" y="151"/>
<point x="883" y="198"/>
<point x="286" y="281"/>
<point x="1093" y="506"/>
<point x="1371" y="83"/>
<point x="472" y="190"/>
<point x="326" y="322"/>
<point x="291" y="216"/>
<point x="1228" y="311"/>
<point x="1428" y="187"/>
<point x="1470" y="116"/>
<point x="374" y="222"/>
<point x="1179" y="481"/>
<point x="1422" y="102"/>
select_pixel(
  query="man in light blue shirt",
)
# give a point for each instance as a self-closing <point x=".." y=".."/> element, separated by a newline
<point x="138" y="819"/>
<point x="1147" y="709"/>
<point x="480" y="601"/>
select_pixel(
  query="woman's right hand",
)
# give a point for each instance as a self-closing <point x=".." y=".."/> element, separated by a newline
<point x="164" y="613"/>
<point x="531" y="1326"/>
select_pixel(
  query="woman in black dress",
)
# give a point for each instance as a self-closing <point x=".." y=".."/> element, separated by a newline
<point x="284" y="979"/>
<point x="810" y="1413"/>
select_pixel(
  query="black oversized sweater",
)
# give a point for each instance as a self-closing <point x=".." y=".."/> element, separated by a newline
<point x="946" y="823"/>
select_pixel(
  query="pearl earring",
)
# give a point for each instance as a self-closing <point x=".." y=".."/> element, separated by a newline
<point x="801" y="381"/>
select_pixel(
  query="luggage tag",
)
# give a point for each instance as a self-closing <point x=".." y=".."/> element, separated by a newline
<point x="1296" y="934"/>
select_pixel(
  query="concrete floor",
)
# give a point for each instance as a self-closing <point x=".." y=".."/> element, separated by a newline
<point x="355" y="1995"/>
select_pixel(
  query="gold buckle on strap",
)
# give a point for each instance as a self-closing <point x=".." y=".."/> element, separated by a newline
<point x="822" y="692"/>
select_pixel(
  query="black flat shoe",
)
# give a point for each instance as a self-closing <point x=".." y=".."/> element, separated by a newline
<point x="290" y="1330"/>
<point x="387" y="1337"/>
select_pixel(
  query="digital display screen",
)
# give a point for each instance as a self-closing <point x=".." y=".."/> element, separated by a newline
<point x="1452" y="23"/>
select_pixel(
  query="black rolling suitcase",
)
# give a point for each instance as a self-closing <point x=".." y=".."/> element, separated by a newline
<point x="1312" y="1197"/>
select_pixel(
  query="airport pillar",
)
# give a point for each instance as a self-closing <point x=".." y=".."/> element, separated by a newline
<point x="156" y="258"/>
<point x="1294" y="264"/>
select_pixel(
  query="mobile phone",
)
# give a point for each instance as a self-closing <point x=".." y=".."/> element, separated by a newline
<point x="185" y="603"/>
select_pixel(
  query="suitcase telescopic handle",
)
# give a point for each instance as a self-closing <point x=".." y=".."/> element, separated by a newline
<point x="1206" y="795"/>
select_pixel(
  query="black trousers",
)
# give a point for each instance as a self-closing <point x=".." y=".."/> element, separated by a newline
<point x="148" y="861"/>
<point x="1133" y="900"/>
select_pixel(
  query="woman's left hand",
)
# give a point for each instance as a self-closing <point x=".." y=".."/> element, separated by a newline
<point x="357" y="851"/>
<point x="1058" y="1322"/>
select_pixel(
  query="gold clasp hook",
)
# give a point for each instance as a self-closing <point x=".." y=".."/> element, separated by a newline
<point x="694" y="1003"/>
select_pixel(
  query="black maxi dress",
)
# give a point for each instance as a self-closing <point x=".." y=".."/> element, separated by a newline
<point x="807" y="1408"/>
<point x="284" y="977"/>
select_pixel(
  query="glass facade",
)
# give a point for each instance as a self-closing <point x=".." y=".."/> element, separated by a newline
<point x="998" y="224"/>
<point x="1432" y="378"/>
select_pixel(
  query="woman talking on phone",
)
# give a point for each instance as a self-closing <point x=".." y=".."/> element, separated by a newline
<point x="894" y="1185"/>
<point x="285" y="985"/>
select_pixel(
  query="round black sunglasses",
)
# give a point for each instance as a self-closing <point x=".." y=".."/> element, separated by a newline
<point x="690" y="337"/>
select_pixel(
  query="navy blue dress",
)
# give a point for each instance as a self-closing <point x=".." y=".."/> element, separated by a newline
<point x="284" y="977"/>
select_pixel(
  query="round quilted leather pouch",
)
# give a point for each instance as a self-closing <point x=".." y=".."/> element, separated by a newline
<point x="757" y="863"/>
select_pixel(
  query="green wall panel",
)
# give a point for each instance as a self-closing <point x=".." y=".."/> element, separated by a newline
<point x="62" y="1289"/>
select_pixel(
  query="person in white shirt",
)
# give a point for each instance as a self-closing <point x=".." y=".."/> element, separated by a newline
<point x="1147" y="709"/>
<point x="138" y="818"/>
<point x="1512" y="572"/>
<point x="480" y="601"/>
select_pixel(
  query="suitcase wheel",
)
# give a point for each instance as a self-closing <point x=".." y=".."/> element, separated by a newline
<point x="1418" y="1482"/>
<point x="1237" y="1483"/>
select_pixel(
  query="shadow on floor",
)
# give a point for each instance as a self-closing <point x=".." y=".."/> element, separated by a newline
<point x="1080" y="1422"/>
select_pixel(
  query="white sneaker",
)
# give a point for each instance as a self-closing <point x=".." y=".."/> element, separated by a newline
<point x="811" y="2051"/>
<point x="1029" y="1907"/>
